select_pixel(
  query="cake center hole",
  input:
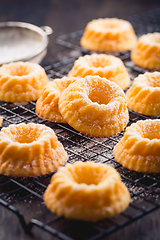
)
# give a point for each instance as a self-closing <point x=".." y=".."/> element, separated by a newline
<point x="25" y="139"/>
<point x="99" y="63"/>
<point x="110" y="25"/>
<point x="19" y="71"/>
<point x="156" y="39"/>
<point x="152" y="135"/>
<point x="100" y="96"/>
<point x="90" y="177"/>
<point x="26" y="135"/>
<point x="151" y="131"/>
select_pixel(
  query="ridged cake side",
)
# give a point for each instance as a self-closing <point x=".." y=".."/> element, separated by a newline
<point x="139" y="149"/>
<point x="86" y="191"/>
<point x="94" y="106"/>
<point x="47" y="105"/>
<point x="108" y="35"/>
<point x="146" y="54"/>
<point x="144" y="95"/>
<point x="30" y="150"/>
<point x="21" y="81"/>
<point x="107" y="66"/>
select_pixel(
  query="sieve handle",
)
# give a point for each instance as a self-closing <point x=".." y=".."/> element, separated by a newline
<point x="48" y="30"/>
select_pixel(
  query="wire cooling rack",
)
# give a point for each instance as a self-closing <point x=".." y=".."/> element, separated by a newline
<point x="24" y="196"/>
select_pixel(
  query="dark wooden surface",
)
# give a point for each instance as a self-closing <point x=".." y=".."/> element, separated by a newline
<point x="65" y="17"/>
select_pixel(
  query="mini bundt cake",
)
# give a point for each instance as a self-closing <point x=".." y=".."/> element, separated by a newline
<point x="102" y="65"/>
<point x="30" y="150"/>
<point x="94" y="106"/>
<point x="86" y="191"/>
<point x="139" y="149"/>
<point x="21" y="81"/>
<point x="144" y="95"/>
<point x="47" y="104"/>
<point x="108" y="35"/>
<point x="146" y="53"/>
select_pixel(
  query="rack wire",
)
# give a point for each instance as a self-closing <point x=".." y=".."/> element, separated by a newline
<point x="24" y="196"/>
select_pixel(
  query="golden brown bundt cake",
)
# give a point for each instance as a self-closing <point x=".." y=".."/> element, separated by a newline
<point x="146" y="53"/>
<point x="103" y="65"/>
<point x="139" y="148"/>
<point x="86" y="191"/>
<point x="47" y="105"/>
<point x="108" y="35"/>
<point x="30" y="150"/>
<point x="21" y="81"/>
<point x="144" y="95"/>
<point x="94" y="106"/>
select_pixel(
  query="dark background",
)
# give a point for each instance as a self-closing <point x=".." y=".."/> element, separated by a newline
<point x="65" y="16"/>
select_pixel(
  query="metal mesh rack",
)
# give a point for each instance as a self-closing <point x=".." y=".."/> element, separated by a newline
<point x="24" y="196"/>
